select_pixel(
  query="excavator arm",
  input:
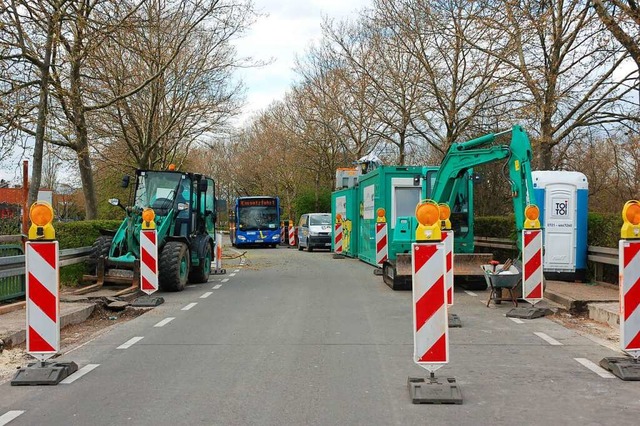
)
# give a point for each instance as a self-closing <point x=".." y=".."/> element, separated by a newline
<point x="465" y="155"/>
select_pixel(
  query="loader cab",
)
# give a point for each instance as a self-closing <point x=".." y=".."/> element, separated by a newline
<point x="461" y="204"/>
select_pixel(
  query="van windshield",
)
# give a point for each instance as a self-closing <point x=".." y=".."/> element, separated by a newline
<point x="324" y="219"/>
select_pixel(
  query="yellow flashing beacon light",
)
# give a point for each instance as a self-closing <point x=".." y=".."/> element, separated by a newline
<point x="631" y="217"/>
<point x="148" y="215"/>
<point x="380" y="216"/>
<point x="428" y="216"/>
<point x="338" y="218"/>
<point x="445" y="214"/>
<point x="41" y="215"/>
<point x="531" y="217"/>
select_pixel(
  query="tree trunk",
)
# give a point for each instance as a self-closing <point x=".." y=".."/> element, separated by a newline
<point x="43" y="104"/>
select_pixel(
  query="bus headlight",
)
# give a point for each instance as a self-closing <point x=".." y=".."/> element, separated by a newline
<point x="242" y="238"/>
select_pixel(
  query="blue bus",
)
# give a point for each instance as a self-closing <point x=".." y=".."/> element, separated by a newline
<point x="256" y="221"/>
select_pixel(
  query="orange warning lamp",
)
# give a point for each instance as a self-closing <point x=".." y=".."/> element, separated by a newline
<point x="428" y="216"/>
<point x="41" y="215"/>
<point x="380" y="216"/>
<point x="445" y="214"/>
<point x="148" y="215"/>
<point x="631" y="220"/>
<point x="531" y="217"/>
<point x="338" y="218"/>
<point x="172" y="167"/>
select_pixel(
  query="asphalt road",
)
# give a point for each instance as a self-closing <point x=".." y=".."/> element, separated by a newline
<point x="297" y="338"/>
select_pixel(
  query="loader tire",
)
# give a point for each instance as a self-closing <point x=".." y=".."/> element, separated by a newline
<point x="174" y="266"/>
<point x="200" y="274"/>
<point x="99" y="248"/>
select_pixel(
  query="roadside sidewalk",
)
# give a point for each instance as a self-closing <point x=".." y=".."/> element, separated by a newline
<point x="600" y="301"/>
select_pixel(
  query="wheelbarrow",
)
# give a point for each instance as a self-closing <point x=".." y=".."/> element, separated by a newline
<point x="502" y="278"/>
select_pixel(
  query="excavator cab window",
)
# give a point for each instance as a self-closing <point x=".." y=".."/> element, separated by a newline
<point x="459" y="201"/>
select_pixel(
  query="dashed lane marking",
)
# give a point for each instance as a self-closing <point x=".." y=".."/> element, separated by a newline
<point x="217" y="287"/>
<point x="130" y="342"/>
<point x="10" y="415"/>
<point x="595" y="368"/>
<point x="75" y="376"/>
<point x="237" y="270"/>
<point x="190" y="286"/>
<point x="517" y="320"/>
<point x="470" y="293"/>
<point x="205" y="295"/>
<point x="225" y="280"/>
<point x="164" y="322"/>
<point x="232" y="275"/>
<point x="550" y="340"/>
<point x="189" y="306"/>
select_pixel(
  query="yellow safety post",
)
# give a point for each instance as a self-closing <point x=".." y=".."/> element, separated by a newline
<point x="380" y="216"/>
<point x="631" y="217"/>
<point x="428" y="216"/>
<point x="532" y="217"/>
<point x="41" y="215"/>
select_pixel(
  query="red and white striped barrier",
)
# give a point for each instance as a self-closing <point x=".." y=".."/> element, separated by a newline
<point x="532" y="273"/>
<point x="629" y="270"/>
<point x="382" y="250"/>
<point x="447" y="239"/>
<point x="43" y="299"/>
<point x="337" y="238"/>
<point x="148" y="261"/>
<point x="292" y="236"/>
<point x="430" y="320"/>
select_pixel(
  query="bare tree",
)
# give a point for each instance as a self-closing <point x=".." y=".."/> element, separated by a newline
<point x="622" y="18"/>
<point x="567" y="63"/>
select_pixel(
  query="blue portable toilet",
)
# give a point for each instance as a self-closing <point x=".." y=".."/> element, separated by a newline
<point x="562" y="197"/>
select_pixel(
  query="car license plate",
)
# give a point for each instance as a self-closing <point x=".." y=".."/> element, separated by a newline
<point x="258" y="241"/>
<point x="327" y="244"/>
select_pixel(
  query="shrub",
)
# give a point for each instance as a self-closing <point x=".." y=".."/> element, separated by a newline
<point x="82" y="233"/>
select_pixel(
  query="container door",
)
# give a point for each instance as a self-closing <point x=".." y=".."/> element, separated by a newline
<point x="405" y="196"/>
<point x="560" y="228"/>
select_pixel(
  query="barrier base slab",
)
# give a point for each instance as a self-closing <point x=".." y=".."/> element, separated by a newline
<point x="625" y="368"/>
<point x="454" y="321"/>
<point x="432" y="391"/>
<point x="47" y="373"/>
<point x="377" y="271"/>
<point x="528" y="312"/>
<point x="147" y="302"/>
<point x="339" y="256"/>
<point x="219" y="271"/>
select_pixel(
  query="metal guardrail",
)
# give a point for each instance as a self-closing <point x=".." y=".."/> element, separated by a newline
<point x="599" y="256"/>
<point x="11" y="266"/>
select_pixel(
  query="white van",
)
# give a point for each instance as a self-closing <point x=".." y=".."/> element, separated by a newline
<point x="314" y="231"/>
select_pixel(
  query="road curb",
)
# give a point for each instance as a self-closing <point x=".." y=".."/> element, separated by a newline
<point x="72" y="313"/>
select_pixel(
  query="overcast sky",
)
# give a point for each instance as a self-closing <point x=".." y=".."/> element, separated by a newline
<point x="287" y="28"/>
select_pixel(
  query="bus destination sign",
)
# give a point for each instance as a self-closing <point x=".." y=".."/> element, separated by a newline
<point x="259" y="202"/>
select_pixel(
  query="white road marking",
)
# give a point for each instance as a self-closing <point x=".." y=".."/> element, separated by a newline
<point x="470" y="293"/>
<point x="130" y="342"/>
<point x="550" y="340"/>
<point x="205" y="295"/>
<point x="189" y="306"/>
<point x="517" y="320"/>
<point x="190" y="286"/>
<point x="232" y="275"/>
<point x="164" y="322"/>
<point x="595" y="368"/>
<point x="237" y="270"/>
<point x="9" y="415"/>
<point x="225" y="280"/>
<point x="75" y="376"/>
<point x="217" y="287"/>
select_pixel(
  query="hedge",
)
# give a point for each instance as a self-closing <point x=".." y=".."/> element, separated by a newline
<point x="82" y="233"/>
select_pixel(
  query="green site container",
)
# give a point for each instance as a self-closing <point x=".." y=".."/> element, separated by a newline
<point x="396" y="189"/>
<point x="347" y="203"/>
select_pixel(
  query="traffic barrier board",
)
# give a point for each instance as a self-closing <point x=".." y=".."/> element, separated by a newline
<point x="148" y="261"/>
<point x="629" y="269"/>
<point x="532" y="272"/>
<point x="381" y="243"/>
<point x="292" y="236"/>
<point x="430" y="328"/>
<point x="447" y="239"/>
<point x="43" y="299"/>
<point x="337" y="239"/>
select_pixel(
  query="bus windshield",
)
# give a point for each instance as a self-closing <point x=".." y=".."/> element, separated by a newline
<point x="255" y="214"/>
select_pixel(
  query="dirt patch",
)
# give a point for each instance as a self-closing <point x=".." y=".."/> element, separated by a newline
<point x="100" y="321"/>
<point x="582" y="324"/>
